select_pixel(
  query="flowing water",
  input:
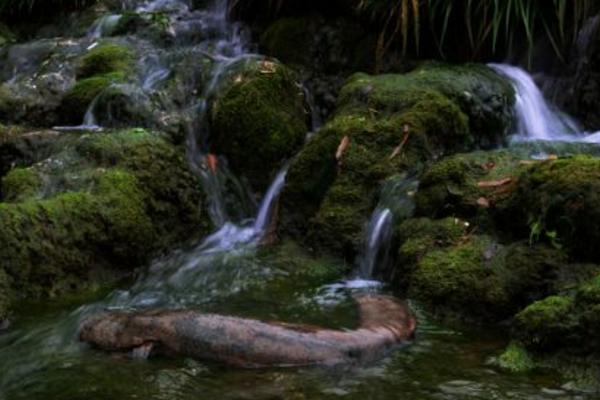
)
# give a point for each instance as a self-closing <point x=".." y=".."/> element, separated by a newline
<point x="536" y="119"/>
<point x="228" y="273"/>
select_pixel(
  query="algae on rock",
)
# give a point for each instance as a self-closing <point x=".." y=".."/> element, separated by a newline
<point x="108" y="201"/>
<point x="258" y="118"/>
<point x="392" y="124"/>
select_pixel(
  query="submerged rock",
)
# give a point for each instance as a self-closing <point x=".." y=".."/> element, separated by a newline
<point x="108" y="201"/>
<point x="258" y="118"/>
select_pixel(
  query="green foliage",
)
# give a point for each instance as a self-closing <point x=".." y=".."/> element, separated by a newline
<point x="515" y="359"/>
<point x="483" y="22"/>
<point x="20" y="183"/>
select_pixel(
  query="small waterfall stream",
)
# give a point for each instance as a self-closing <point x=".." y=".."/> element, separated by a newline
<point x="536" y="119"/>
<point x="396" y="203"/>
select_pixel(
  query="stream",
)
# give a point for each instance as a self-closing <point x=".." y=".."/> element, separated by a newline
<point x="229" y="273"/>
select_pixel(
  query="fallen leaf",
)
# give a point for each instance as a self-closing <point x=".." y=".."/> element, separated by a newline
<point x="483" y="202"/>
<point x="342" y="148"/>
<point x="212" y="162"/>
<point x="493" y="184"/>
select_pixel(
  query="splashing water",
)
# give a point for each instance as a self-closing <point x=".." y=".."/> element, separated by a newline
<point x="536" y="119"/>
<point x="379" y="235"/>
<point x="396" y="203"/>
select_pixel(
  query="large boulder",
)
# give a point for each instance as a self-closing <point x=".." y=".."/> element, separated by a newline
<point x="258" y="119"/>
<point x="386" y="125"/>
<point x="105" y="202"/>
<point x="96" y="70"/>
<point x="558" y="200"/>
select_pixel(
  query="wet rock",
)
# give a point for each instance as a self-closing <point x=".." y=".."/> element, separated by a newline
<point x="258" y="119"/>
<point x="62" y="221"/>
<point x="557" y="201"/>
<point x="393" y="124"/>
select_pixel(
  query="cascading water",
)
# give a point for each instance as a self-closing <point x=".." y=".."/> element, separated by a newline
<point x="536" y="119"/>
<point x="396" y="203"/>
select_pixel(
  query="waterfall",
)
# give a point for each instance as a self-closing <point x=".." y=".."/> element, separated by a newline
<point x="536" y="119"/>
<point x="396" y="203"/>
<point x="379" y="236"/>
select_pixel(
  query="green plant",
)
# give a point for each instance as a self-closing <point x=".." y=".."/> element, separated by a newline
<point x="483" y="22"/>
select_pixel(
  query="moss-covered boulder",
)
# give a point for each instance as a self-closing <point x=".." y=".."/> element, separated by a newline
<point x="559" y="201"/>
<point x="463" y="280"/>
<point x="458" y="274"/>
<point x="548" y="323"/>
<point x="258" y="118"/>
<point x="20" y="184"/>
<point x="76" y="101"/>
<point x="464" y="184"/>
<point x="483" y="95"/>
<point x="384" y="125"/>
<point x="106" y="202"/>
<point x="568" y="321"/>
<point x="104" y="59"/>
<point x="96" y="70"/>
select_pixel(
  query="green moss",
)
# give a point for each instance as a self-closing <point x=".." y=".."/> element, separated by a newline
<point x="451" y="185"/>
<point x="462" y="280"/>
<point x="546" y="323"/>
<point x="104" y="59"/>
<point x="394" y="124"/>
<point x="258" y="119"/>
<point x="134" y="197"/>
<point x="559" y="202"/>
<point x="515" y="359"/>
<point x="78" y="99"/>
<point x="20" y="184"/>
<point x="484" y="96"/>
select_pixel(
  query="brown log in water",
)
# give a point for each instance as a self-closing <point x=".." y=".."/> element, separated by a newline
<point x="385" y="323"/>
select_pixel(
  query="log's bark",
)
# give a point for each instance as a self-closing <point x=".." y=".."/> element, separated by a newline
<point x="385" y="323"/>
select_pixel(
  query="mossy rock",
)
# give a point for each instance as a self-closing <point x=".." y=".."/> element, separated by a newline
<point x="109" y="201"/>
<point x="559" y="201"/>
<point x="547" y="323"/>
<point x="474" y="277"/>
<point x="20" y="184"/>
<point x="483" y="95"/>
<point x="392" y="124"/>
<point x="515" y="359"/>
<point x="417" y="237"/>
<point x="76" y="101"/>
<point x="104" y="59"/>
<point x="462" y="280"/>
<point x="258" y="119"/>
<point x="455" y="185"/>
<point x="569" y="321"/>
<point x="122" y="106"/>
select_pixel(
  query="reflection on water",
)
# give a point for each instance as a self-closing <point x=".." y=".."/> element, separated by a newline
<point x="42" y="359"/>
